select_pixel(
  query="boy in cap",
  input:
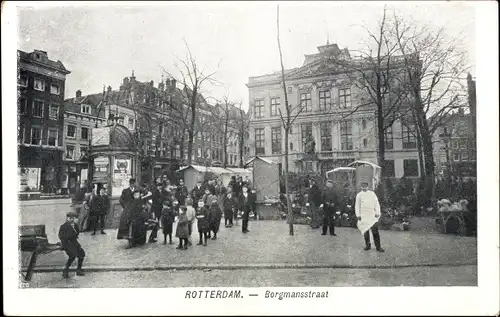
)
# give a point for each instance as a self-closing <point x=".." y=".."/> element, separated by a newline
<point x="68" y="234"/>
<point x="167" y="219"/>
<point x="368" y="213"/>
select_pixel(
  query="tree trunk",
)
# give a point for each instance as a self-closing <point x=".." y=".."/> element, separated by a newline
<point x="225" y="140"/>
<point x="381" y="147"/>
<point x="190" y="148"/>
<point x="288" y="203"/>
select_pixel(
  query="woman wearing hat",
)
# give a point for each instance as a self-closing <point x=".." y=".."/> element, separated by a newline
<point x="132" y="224"/>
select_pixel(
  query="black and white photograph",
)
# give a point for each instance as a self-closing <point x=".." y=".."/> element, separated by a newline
<point x="313" y="158"/>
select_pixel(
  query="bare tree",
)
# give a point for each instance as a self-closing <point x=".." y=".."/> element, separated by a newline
<point x="435" y="67"/>
<point x="193" y="77"/>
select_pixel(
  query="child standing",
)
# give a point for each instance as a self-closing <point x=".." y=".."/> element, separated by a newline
<point x="182" y="230"/>
<point x="228" y="206"/>
<point x="202" y="216"/>
<point x="167" y="220"/>
<point x="191" y="215"/>
<point x="215" y="217"/>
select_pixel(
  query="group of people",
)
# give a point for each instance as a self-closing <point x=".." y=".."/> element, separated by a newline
<point x="366" y="206"/>
<point x="206" y="204"/>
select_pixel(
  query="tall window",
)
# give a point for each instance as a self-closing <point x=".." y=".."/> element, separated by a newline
<point x="38" y="108"/>
<point x="39" y="84"/>
<point x="409" y="140"/>
<point x="276" y="140"/>
<point x="36" y="136"/>
<point x="388" y="139"/>
<point x="54" y="89"/>
<point x="52" y="137"/>
<point x="131" y="124"/>
<point x="275" y="103"/>
<point x="410" y="167"/>
<point x="306" y="130"/>
<point x="85" y="133"/>
<point x="306" y="102"/>
<point x="259" y="108"/>
<point x="70" y="152"/>
<point x="22" y="81"/>
<point x="83" y="151"/>
<point x="345" y="98"/>
<point x="325" y="99"/>
<point x="259" y="142"/>
<point x="23" y="106"/>
<point x="71" y="131"/>
<point x="54" y="112"/>
<point x="326" y="136"/>
<point x="346" y="135"/>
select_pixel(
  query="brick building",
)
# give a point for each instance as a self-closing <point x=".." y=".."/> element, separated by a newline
<point x="41" y="83"/>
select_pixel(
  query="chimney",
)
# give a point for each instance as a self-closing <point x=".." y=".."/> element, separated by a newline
<point x="152" y="84"/>
<point x="161" y="86"/>
<point x="78" y="93"/>
<point x="173" y="84"/>
<point x="109" y="88"/>
<point x="125" y="82"/>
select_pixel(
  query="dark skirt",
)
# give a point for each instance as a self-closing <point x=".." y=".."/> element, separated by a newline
<point x="228" y="214"/>
<point x="167" y="227"/>
<point x="214" y="225"/>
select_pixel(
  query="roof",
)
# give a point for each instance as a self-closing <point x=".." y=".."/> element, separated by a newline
<point x="356" y="163"/>
<point x="119" y="138"/>
<point x="206" y="169"/>
<point x="45" y="61"/>
<point x="261" y="158"/>
<point x="342" y="169"/>
<point x="238" y="170"/>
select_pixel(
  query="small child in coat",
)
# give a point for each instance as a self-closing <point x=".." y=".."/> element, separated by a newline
<point x="167" y="220"/>
<point x="215" y="217"/>
<point x="203" y="220"/>
<point x="228" y="207"/>
<point x="182" y="230"/>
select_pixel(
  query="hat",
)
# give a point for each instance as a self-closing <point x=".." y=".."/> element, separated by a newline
<point x="72" y="214"/>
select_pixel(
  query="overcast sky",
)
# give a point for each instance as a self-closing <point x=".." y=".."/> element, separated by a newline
<point x="102" y="44"/>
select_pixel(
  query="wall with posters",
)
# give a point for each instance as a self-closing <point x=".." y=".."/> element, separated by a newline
<point x="29" y="178"/>
<point x="122" y="172"/>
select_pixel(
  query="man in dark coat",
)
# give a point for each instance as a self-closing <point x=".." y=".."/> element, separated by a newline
<point x="181" y="193"/>
<point x="127" y="194"/>
<point x="68" y="234"/>
<point x="157" y="201"/>
<point x="330" y="204"/>
<point x="245" y="205"/>
<point x="314" y="197"/>
<point x="197" y="194"/>
<point x="95" y="204"/>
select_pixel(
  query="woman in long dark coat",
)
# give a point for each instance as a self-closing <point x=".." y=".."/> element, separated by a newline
<point x="132" y="221"/>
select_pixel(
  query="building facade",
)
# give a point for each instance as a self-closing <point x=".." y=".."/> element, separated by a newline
<point x="330" y="115"/>
<point x="81" y="115"/>
<point x="41" y="83"/>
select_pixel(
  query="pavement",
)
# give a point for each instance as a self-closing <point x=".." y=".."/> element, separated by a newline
<point x="267" y="246"/>
<point x="322" y="277"/>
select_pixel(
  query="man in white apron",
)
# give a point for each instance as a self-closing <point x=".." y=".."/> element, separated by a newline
<point x="367" y="210"/>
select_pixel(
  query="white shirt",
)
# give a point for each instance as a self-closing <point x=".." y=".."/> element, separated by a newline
<point x="368" y="208"/>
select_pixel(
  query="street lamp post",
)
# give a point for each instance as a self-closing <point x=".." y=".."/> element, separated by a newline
<point x="446" y="136"/>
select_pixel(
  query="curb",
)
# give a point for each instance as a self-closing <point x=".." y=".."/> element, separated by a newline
<point x="52" y="269"/>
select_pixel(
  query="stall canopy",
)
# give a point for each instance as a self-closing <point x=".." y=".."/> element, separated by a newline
<point x="197" y="173"/>
<point x="367" y="171"/>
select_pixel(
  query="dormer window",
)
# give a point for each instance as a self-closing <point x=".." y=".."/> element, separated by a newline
<point x="86" y="109"/>
<point x="55" y="89"/>
<point x="22" y="81"/>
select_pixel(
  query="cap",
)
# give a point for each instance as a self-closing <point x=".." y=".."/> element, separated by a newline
<point x="72" y="214"/>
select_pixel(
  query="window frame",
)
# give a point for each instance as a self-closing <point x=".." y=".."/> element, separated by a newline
<point x="408" y="135"/>
<point x="66" y="152"/>
<point x="81" y="133"/>
<point x="345" y="100"/>
<point x="31" y="135"/>
<point x="26" y="111"/>
<point x="326" y="126"/>
<point x="327" y="100"/>
<point x="33" y="108"/>
<point x="303" y="132"/>
<point x="260" y="145"/>
<point x="56" y="138"/>
<point x="52" y="105"/>
<point x="44" y="85"/>
<point x="276" y="139"/>
<point x="406" y="172"/>
<point x="19" y="82"/>
<point x="393" y="170"/>
<point x="259" y="104"/>
<point x="67" y="131"/>
<point x="346" y="142"/>
<point x="84" y="106"/>
<point x="307" y="99"/>
<point x="83" y="147"/>
<point x="275" y="105"/>
<point x="58" y="89"/>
